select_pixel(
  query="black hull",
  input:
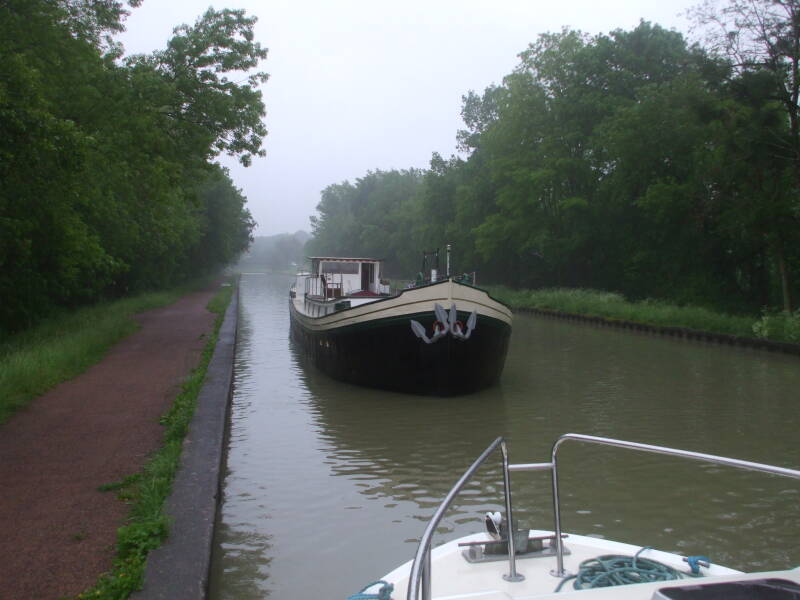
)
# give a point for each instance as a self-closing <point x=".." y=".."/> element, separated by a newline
<point x="386" y="354"/>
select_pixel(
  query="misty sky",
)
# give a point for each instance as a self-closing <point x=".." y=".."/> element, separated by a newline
<point x="363" y="85"/>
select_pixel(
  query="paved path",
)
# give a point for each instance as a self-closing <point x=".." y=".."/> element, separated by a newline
<point x="57" y="531"/>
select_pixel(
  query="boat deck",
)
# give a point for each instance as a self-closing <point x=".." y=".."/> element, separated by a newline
<point x="453" y="577"/>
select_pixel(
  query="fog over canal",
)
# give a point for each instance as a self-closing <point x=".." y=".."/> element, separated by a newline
<point x="328" y="486"/>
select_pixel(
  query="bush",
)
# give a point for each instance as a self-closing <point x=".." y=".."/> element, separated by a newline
<point x="780" y="326"/>
<point x="613" y="306"/>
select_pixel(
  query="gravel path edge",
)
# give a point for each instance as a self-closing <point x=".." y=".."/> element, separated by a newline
<point x="180" y="568"/>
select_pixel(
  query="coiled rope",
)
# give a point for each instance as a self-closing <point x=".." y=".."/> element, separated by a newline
<point x="384" y="593"/>
<point x="614" y="569"/>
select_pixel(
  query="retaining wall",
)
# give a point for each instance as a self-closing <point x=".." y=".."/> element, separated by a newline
<point x="679" y="332"/>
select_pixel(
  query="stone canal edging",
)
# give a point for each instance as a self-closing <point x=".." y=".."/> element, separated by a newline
<point x="179" y="569"/>
<point x="679" y="332"/>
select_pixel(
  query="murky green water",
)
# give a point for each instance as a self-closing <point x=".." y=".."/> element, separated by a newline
<point x="328" y="486"/>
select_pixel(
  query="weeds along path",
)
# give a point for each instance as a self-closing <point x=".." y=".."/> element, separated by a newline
<point x="58" y="530"/>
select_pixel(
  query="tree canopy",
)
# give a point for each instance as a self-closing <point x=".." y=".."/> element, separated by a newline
<point x="107" y="179"/>
<point x="631" y="161"/>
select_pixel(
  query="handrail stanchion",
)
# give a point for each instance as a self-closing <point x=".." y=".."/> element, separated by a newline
<point x="422" y="560"/>
<point x="559" y="570"/>
<point x="426" y="576"/>
<point x="512" y="554"/>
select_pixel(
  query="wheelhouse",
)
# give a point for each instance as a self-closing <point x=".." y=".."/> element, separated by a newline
<point x="335" y="277"/>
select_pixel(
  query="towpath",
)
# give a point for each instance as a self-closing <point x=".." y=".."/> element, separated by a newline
<point x="57" y="531"/>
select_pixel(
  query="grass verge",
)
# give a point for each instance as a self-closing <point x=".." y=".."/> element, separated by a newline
<point x="147" y="525"/>
<point x="614" y="307"/>
<point x="64" y="346"/>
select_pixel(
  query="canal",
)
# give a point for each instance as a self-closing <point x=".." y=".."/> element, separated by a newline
<point x="328" y="486"/>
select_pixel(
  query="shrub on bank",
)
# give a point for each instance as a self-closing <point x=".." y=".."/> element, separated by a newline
<point x="609" y="305"/>
<point x="779" y="326"/>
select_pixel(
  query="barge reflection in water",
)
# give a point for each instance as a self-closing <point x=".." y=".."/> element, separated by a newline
<point x="329" y="485"/>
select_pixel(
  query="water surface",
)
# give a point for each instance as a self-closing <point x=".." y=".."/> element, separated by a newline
<point x="328" y="486"/>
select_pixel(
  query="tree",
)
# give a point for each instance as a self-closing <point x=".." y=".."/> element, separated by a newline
<point x="207" y="107"/>
<point x="374" y="217"/>
<point x="106" y="180"/>
<point x="227" y="225"/>
<point x="48" y="253"/>
<point x="630" y="161"/>
<point x="95" y="21"/>
<point x="558" y="198"/>
<point x="763" y="36"/>
<point x="754" y="184"/>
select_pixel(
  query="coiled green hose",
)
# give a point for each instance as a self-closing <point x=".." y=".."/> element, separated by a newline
<point x="615" y="569"/>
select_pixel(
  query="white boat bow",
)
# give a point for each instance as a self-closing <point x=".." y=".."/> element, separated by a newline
<point x="552" y="564"/>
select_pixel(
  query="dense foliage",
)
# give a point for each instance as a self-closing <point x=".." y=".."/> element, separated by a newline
<point x="371" y="218"/>
<point x="631" y="162"/>
<point x="107" y="183"/>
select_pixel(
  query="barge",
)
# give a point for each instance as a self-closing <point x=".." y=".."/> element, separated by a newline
<point x="436" y="337"/>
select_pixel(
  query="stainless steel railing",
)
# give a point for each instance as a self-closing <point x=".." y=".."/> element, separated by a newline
<point x="720" y="460"/>
<point x="421" y="567"/>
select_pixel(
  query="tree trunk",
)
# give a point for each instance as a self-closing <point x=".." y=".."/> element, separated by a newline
<point x="783" y="271"/>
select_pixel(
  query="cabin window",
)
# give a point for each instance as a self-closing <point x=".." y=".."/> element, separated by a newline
<point x="345" y="268"/>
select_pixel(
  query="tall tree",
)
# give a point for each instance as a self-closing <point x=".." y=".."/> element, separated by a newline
<point x="206" y="105"/>
<point x="372" y="217"/>
<point x="763" y="36"/>
<point x="100" y="158"/>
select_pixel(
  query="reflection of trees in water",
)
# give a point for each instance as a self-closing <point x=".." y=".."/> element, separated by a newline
<point x="559" y="377"/>
<point x="399" y="448"/>
<point x="242" y="360"/>
<point x="402" y="449"/>
<point x="240" y="566"/>
<point x="242" y="556"/>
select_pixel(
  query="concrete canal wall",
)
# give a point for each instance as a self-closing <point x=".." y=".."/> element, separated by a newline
<point x="180" y="568"/>
<point x="679" y="332"/>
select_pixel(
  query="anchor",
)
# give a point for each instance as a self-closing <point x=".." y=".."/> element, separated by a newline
<point x="457" y="327"/>
<point x="445" y="324"/>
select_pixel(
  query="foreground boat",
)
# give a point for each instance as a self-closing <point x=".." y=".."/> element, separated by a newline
<point x="534" y="564"/>
<point x="439" y="337"/>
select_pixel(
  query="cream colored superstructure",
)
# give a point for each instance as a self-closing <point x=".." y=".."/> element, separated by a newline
<point x="408" y="302"/>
